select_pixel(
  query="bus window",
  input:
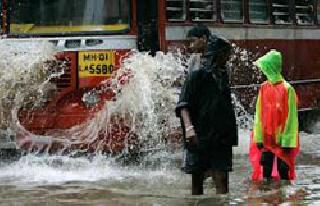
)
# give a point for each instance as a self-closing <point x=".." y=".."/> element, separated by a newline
<point x="69" y="16"/>
<point x="280" y="12"/>
<point x="232" y="10"/>
<point x="304" y="12"/>
<point x="203" y="10"/>
<point x="176" y="10"/>
<point x="258" y="11"/>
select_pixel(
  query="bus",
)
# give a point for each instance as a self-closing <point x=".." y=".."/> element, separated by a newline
<point x="256" y="26"/>
<point x="92" y="36"/>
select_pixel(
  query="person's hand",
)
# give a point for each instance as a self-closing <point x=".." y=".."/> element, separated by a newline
<point x="191" y="137"/>
<point x="260" y="146"/>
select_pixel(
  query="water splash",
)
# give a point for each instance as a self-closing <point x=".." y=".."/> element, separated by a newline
<point x="23" y="77"/>
<point x="143" y="105"/>
<point x="141" y="114"/>
<point x="245" y="79"/>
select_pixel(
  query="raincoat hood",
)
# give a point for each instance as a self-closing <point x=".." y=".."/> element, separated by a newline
<point x="215" y="45"/>
<point x="271" y="64"/>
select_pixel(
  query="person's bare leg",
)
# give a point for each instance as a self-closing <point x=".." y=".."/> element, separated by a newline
<point x="222" y="182"/>
<point x="197" y="184"/>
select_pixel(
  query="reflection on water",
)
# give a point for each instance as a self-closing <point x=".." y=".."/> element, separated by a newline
<point x="58" y="180"/>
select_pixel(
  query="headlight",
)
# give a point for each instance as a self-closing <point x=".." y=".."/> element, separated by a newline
<point x="91" y="98"/>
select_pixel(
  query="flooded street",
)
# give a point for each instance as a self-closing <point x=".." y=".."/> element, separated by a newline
<point x="156" y="181"/>
<point x="147" y="102"/>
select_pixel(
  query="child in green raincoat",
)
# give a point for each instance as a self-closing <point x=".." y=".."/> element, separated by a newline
<point x="275" y="140"/>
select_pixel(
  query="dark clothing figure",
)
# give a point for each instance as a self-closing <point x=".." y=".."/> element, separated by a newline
<point x="207" y="96"/>
<point x="209" y="102"/>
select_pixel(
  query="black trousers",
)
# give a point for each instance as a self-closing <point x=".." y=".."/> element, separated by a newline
<point x="267" y="160"/>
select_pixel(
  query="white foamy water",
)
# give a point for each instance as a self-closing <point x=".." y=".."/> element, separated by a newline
<point x="31" y="169"/>
<point x="50" y="169"/>
<point x="23" y="76"/>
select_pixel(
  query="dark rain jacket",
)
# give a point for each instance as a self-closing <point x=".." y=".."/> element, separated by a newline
<point x="206" y="93"/>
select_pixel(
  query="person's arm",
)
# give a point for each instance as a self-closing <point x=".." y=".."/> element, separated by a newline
<point x="189" y="130"/>
<point x="183" y="109"/>
<point x="289" y="136"/>
<point x="257" y="128"/>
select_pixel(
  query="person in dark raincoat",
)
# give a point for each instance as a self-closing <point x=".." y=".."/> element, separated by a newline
<point x="207" y="114"/>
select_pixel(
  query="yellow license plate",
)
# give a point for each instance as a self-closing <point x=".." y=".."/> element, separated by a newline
<point x="96" y="63"/>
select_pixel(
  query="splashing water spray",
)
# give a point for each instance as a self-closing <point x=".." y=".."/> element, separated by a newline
<point x="139" y="117"/>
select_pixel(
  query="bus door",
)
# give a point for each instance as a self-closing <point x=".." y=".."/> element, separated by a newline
<point x="147" y="17"/>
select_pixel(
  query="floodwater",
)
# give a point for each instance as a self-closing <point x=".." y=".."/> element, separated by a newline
<point x="41" y="180"/>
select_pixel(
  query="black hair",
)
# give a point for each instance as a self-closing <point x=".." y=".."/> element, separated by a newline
<point x="199" y="31"/>
<point x="217" y="46"/>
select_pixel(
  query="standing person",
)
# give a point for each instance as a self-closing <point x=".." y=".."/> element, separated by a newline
<point x="275" y="140"/>
<point x="206" y="113"/>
